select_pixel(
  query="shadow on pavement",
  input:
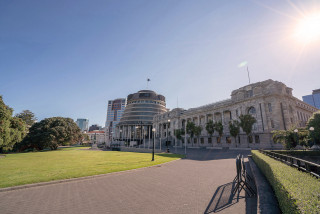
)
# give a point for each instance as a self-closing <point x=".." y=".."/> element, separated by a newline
<point x="221" y="199"/>
<point x="212" y="154"/>
<point x="224" y="198"/>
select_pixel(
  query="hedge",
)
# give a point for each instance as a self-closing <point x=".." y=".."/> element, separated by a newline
<point x="296" y="191"/>
<point x="298" y="152"/>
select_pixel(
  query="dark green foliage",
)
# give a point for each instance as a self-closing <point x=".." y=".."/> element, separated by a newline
<point x="290" y="139"/>
<point x="296" y="191"/>
<point x="298" y="153"/>
<point x="27" y="116"/>
<point x="190" y="128"/>
<point x="12" y="129"/>
<point x="197" y="131"/>
<point x="210" y="127"/>
<point x="234" y="128"/>
<point x="51" y="133"/>
<point x="219" y="128"/>
<point x="246" y="123"/>
<point x="178" y="133"/>
<point x="314" y="122"/>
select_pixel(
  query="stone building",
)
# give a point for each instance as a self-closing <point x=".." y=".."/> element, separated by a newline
<point x="270" y="102"/>
<point x="97" y="137"/>
<point x="136" y="121"/>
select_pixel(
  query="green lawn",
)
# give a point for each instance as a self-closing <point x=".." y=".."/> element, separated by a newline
<point x="34" y="167"/>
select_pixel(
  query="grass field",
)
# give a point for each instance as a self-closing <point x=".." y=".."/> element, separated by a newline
<point x="34" y="167"/>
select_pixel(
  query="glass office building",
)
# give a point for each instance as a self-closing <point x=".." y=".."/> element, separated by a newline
<point x="83" y="124"/>
<point x="313" y="99"/>
<point x="115" y="110"/>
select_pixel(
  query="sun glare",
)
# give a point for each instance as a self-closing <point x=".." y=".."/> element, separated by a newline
<point x="308" y="29"/>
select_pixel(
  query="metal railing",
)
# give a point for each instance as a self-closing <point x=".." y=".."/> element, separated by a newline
<point x="303" y="165"/>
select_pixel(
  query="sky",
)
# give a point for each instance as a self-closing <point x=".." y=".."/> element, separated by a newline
<point x="68" y="58"/>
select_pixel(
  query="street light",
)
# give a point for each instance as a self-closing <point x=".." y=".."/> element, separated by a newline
<point x="296" y="131"/>
<point x="311" y="129"/>
<point x="167" y="135"/>
<point x="154" y="131"/>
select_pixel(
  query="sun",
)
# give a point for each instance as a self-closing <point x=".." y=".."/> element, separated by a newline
<point x="308" y="29"/>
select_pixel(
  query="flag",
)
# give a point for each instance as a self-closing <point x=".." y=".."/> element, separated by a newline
<point x="242" y="64"/>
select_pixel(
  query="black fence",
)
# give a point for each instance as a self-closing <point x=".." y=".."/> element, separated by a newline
<point x="303" y="165"/>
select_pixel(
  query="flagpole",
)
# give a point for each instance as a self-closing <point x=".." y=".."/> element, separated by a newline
<point x="248" y="74"/>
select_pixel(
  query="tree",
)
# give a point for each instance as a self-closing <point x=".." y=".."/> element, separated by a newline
<point x="190" y="128"/>
<point x="290" y="139"/>
<point x="219" y="128"/>
<point x="28" y="117"/>
<point x="197" y="131"/>
<point x="12" y="129"/>
<point x="51" y="133"/>
<point x="246" y="123"/>
<point x="178" y="133"/>
<point x="234" y="128"/>
<point x="210" y="127"/>
<point x="314" y="121"/>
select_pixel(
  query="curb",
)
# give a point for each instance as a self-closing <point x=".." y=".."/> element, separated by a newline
<point x="7" y="189"/>
<point x="266" y="200"/>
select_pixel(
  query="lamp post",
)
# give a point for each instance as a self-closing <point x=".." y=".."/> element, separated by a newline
<point x="296" y="131"/>
<point x="185" y="138"/>
<point x="154" y="131"/>
<point x="167" y="135"/>
<point x="121" y="138"/>
<point x="311" y="129"/>
<point x="111" y="138"/>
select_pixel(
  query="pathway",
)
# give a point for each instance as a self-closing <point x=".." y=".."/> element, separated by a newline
<point x="198" y="184"/>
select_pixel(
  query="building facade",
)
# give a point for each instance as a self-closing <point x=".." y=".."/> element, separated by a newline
<point x="313" y="99"/>
<point x="94" y="127"/>
<point x="83" y="124"/>
<point x="97" y="137"/>
<point x="270" y="102"/>
<point x="137" y="119"/>
<point x="114" y="113"/>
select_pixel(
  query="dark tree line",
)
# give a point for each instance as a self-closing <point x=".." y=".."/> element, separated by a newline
<point x="22" y="132"/>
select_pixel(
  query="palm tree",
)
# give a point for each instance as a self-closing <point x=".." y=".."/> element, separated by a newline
<point x="190" y="128"/>
<point x="178" y="133"/>
<point x="246" y="123"/>
<point x="234" y="128"/>
<point x="197" y="131"/>
<point x="219" y="128"/>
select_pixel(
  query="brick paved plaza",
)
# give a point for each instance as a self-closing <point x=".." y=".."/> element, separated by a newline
<point x="198" y="184"/>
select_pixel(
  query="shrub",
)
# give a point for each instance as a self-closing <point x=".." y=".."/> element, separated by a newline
<point x="298" y="152"/>
<point x="296" y="191"/>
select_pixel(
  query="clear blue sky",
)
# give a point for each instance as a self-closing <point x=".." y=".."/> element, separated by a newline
<point x="68" y="58"/>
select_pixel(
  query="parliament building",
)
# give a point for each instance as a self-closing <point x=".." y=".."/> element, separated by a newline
<point x="270" y="102"/>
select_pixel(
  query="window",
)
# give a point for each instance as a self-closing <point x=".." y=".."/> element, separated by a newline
<point x="202" y="140"/>
<point x="195" y="140"/>
<point x="270" y="107"/>
<point x="249" y="94"/>
<point x="209" y="140"/>
<point x="228" y="139"/>
<point x="257" y="139"/>
<point x="252" y="110"/>
<point x="237" y="112"/>
<point x="218" y="139"/>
